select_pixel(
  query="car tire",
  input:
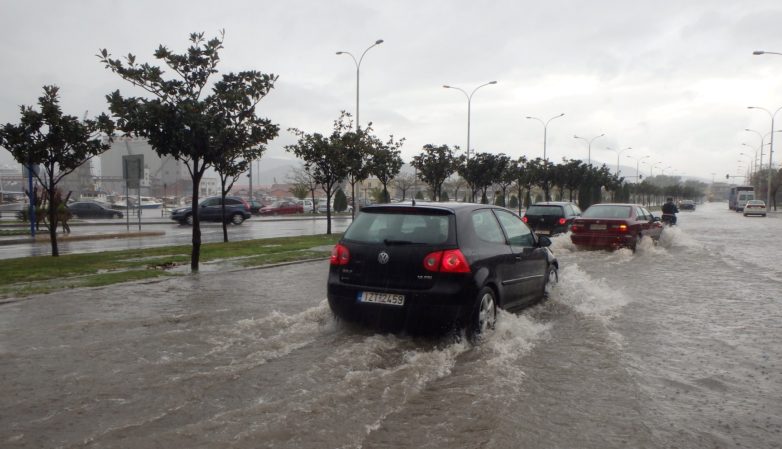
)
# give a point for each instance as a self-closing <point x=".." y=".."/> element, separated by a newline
<point x="237" y="219"/>
<point x="552" y="279"/>
<point x="484" y="315"/>
<point x="189" y="219"/>
<point x="636" y="242"/>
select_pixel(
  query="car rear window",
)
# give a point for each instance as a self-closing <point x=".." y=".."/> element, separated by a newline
<point x="410" y="227"/>
<point x="555" y="211"/>
<point x="606" y="211"/>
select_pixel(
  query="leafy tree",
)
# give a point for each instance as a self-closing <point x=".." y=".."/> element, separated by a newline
<point x="385" y="162"/>
<point x="324" y="159"/>
<point x="356" y="147"/>
<point x="181" y="121"/>
<point x="506" y="175"/>
<point x="435" y="164"/>
<point x="479" y="172"/>
<point x="523" y="181"/>
<point x="58" y="143"/>
<point x="340" y="201"/>
<point x="514" y="202"/>
<point x="540" y="175"/>
<point x="300" y="190"/>
<point x="444" y="197"/>
<point x="419" y="195"/>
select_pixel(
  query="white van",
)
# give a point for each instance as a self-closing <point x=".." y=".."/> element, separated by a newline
<point x="306" y="204"/>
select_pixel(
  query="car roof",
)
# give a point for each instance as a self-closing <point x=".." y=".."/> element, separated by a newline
<point x="449" y="206"/>
<point x="552" y="203"/>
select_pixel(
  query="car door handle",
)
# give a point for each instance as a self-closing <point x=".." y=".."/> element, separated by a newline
<point x="518" y="258"/>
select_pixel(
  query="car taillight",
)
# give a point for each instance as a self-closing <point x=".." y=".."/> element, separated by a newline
<point x="340" y="255"/>
<point x="524" y="219"/>
<point x="562" y="221"/>
<point x="622" y="228"/>
<point x="575" y="228"/>
<point x="448" y="261"/>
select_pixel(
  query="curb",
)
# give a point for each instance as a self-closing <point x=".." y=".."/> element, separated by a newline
<point x="44" y="237"/>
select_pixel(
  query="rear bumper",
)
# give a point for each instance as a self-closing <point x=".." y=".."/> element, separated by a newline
<point x="439" y="309"/>
<point x="603" y="240"/>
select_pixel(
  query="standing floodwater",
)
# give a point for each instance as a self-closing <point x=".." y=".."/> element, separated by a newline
<point x="674" y="346"/>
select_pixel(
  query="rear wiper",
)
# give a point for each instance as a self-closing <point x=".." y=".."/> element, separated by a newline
<point x="399" y="242"/>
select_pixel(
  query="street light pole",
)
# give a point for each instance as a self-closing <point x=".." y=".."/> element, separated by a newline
<point x="545" y="128"/>
<point x="589" y="146"/>
<point x="638" y="167"/>
<point x="358" y="70"/>
<point x="618" y="153"/>
<point x="770" y="151"/>
<point x="469" y="102"/>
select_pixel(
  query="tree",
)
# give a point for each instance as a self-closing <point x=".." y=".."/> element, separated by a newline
<point x="385" y="162"/>
<point x="324" y="159"/>
<point x="304" y="180"/>
<point x="340" y="201"/>
<point x="243" y="135"/>
<point x="58" y="143"/>
<point x="180" y="120"/>
<point x="506" y="175"/>
<point x="404" y="182"/>
<point x="356" y="148"/>
<point x="435" y="165"/>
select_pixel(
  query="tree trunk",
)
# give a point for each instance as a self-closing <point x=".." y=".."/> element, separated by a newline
<point x="53" y="222"/>
<point x="195" y="255"/>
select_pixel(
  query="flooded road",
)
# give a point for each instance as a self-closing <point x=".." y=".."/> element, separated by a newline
<point x="678" y="345"/>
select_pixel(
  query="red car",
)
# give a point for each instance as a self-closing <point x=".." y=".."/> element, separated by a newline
<point x="614" y="226"/>
<point x="281" y="208"/>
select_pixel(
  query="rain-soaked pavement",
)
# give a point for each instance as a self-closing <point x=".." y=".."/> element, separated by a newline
<point x="678" y="345"/>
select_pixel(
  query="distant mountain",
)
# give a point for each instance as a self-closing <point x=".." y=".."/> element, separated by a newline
<point x="270" y="170"/>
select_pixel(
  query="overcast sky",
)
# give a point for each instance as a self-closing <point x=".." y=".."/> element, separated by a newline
<point x="671" y="79"/>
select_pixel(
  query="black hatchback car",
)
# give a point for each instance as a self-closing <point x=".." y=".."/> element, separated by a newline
<point x="434" y="266"/>
<point x="551" y="217"/>
<point x="210" y="209"/>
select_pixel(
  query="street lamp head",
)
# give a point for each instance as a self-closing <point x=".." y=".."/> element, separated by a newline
<point x="492" y="82"/>
<point x="446" y="86"/>
<point x="340" y="52"/>
<point x="528" y="117"/>
<point x="560" y="115"/>
<point x="758" y="52"/>
<point x="379" y="41"/>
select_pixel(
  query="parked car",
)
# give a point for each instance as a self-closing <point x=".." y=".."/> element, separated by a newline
<point x="282" y="208"/>
<point x="255" y="206"/>
<point x="614" y="225"/>
<point x="755" y="207"/>
<point x="687" y="205"/>
<point x="90" y="209"/>
<point x="322" y="208"/>
<point x="436" y="266"/>
<point x="551" y="217"/>
<point x="210" y="209"/>
<point x="306" y="204"/>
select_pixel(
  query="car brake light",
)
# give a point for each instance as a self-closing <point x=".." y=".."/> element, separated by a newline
<point x="524" y="219"/>
<point x="622" y="228"/>
<point x="340" y="255"/>
<point x="575" y="228"/>
<point x="562" y="221"/>
<point x="449" y="261"/>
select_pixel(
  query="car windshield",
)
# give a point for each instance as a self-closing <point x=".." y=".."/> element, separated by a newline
<point x="606" y="211"/>
<point x="544" y="210"/>
<point x="396" y="227"/>
<point x="276" y="204"/>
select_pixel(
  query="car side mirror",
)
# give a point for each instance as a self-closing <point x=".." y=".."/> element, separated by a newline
<point x="544" y="241"/>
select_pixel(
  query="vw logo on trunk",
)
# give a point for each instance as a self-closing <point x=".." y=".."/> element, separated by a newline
<point x="383" y="257"/>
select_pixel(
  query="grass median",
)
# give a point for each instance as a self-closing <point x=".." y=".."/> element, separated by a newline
<point x="43" y="274"/>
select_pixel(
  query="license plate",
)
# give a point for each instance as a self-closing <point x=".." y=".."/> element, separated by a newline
<point x="544" y="232"/>
<point x="598" y="227"/>
<point x="381" y="298"/>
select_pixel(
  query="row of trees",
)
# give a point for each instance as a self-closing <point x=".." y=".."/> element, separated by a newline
<point x="186" y="115"/>
<point x="759" y="180"/>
